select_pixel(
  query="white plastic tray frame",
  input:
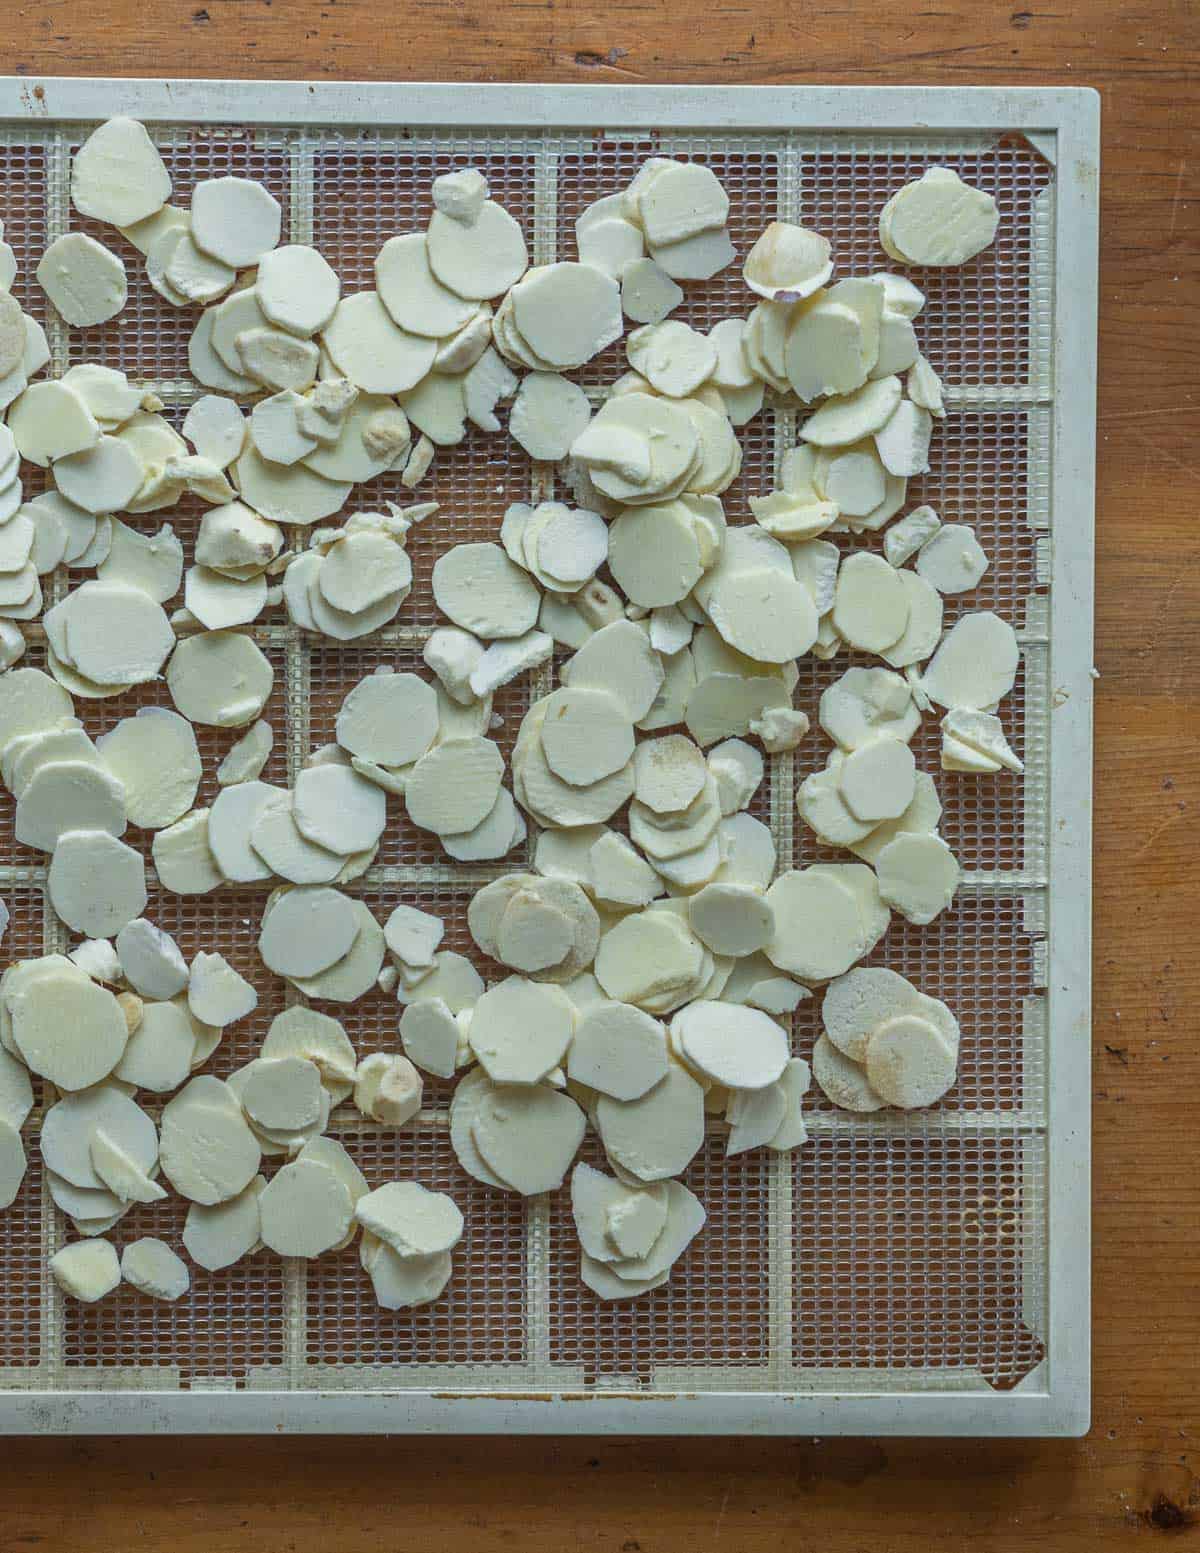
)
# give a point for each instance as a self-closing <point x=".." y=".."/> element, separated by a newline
<point x="1054" y="1398"/>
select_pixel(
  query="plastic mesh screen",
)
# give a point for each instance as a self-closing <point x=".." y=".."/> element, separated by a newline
<point x="909" y="1250"/>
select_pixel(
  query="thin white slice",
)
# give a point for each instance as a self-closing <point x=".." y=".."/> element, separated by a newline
<point x="855" y="1005"/>
<point x="903" y="439"/>
<point x="96" y="883"/>
<point x="217" y="1236"/>
<point x="120" y="1172"/>
<point x="787" y="262"/>
<point x="297" y="289"/>
<point x="731" y="1044"/>
<point x="197" y="275"/>
<point x="878" y="781"/>
<point x="151" y="1267"/>
<point x="976" y="665"/>
<point x="410" y="1219"/>
<point x="151" y="562"/>
<point x="601" y="1205"/>
<point x="528" y="1135"/>
<point x="843" y="1081"/>
<point x="481" y="260"/>
<point x="282" y="1094"/>
<point x="159" y="1053"/>
<point x="755" y="1117"/>
<point x="84" y="280"/>
<point x="151" y="960"/>
<point x="521" y="1030"/>
<point x="938" y="219"/>
<point x="337" y="809"/>
<point x="648" y="293"/>
<point x="980" y="734"/>
<point x="103" y="479"/>
<point x="918" y="875"/>
<point x="567" y="313"/>
<point x="731" y="919"/>
<point x="865" y="704"/>
<point x="217" y="994"/>
<point x="117" y="175"/>
<point x="208" y="1152"/>
<point x="353" y="975"/>
<point x="183" y="859"/>
<point x="924" y="628"/>
<point x="618" y="659"/>
<point x="231" y="822"/>
<point x="50" y="420"/>
<point x="619" y="1050"/>
<point x="657" y="1135"/>
<point x="69" y="795"/>
<point x="245" y="759"/>
<point x="12" y="1163"/>
<point x="155" y="757"/>
<point x="307" y="930"/>
<point x="952" y="560"/>
<point x="376" y="355"/>
<point x="429" y="1033"/>
<point x="479" y="588"/>
<point x="219" y="678"/>
<point x="235" y="220"/>
<point x="548" y="413"/>
<point x="87" y="1270"/>
<point x="74" y="1121"/>
<point x="305" y="1210"/>
<point x="819" y="928"/>
<point x="908" y="1063"/>
<point x="216" y="428"/>
<point x="454" y="786"/>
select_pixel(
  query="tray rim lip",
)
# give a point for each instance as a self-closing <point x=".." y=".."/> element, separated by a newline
<point x="1064" y="124"/>
<point x="533" y="105"/>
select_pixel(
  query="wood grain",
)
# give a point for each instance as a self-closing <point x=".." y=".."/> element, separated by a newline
<point x="1135" y="1477"/>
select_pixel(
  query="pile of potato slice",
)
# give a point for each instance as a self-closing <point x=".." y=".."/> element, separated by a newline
<point x="652" y="951"/>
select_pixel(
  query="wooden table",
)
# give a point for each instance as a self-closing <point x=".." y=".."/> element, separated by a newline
<point x="1137" y="1473"/>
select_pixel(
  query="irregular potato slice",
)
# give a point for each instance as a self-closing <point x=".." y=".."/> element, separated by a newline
<point x="87" y="1270"/>
<point x="938" y="219"/>
<point x="84" y="280"/>
<point x="220" y="678"/>
<point x="866" y="704"/>
<point x="924" y="628"/>
<point x="376" y="355"/>
<point x="481" y="260"/>
<point x="657" y="1135"/>
<point x="918" y="875"/>
<point x="952" y="560"/>
<point x="217" y="995"/>
<point x="307" y="930"/>
<point x="231" y="824"/>
<point x="619" y="1050"/>
<point x="819" y="927"/>
<point x="102" y="479"/>
<point x="118" y="176"/>
<point x="844" y="1082"/>
<point x="548" y="413"/>
<point x="528" y="1134"/>
<point x="388" y="1089"/>
<point x="74" y="1121"/>
<point x="321" y="1040"/>
<point x="155" y="757"/>
<point x="208" y="1151"/>
<point x="353" y="975"/>
<point x="297" y="289"/>
<point x="853" y="416"/>
<point x="409" y="1218"/>
<point x="306" y="1209"/>
<point x="96" y="883"/>
<point x="152" y="1268"/>
<point x="878" y="781"/>
<point x="219" y="1235"/>
<point x="976" y="665"/>
<point x="787" y="262"/>
<point x="648" y="293"/>
<point x="235" y="220"/>
<point x="521" y="1030"/>
<point x="479" y="588"/>
<point x="183" y="859"/>
<point x="160" y="1052"/>
<point x="69" y="795"/>
<point x="50" y="421"/>
<point x="120" y="1172"/>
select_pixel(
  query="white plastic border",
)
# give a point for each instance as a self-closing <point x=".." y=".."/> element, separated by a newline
<point x="1065" y="125"/>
